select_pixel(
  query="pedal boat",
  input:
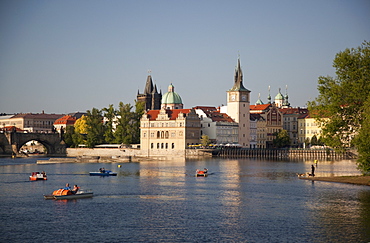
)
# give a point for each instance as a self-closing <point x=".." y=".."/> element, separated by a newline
<point x="201" y="173"/>
<point x="35" y="176"/>
<point x="62" y="194"/>
<point x="105" y="173"/>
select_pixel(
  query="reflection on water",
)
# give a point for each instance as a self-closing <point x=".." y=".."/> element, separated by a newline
<point x="240" y="201"/>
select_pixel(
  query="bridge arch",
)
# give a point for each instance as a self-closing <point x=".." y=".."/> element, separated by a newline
<point x="52" y="141"/>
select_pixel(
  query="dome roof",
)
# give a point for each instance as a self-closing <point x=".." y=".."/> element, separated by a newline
<point x="279" y="96"/>
<point x="171" y="97"/>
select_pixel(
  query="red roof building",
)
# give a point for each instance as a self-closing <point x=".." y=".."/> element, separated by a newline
<point x="63" y="122"/>
<point x="163" y="131"/>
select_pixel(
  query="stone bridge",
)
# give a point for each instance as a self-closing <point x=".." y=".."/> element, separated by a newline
<point x="11" y="142"/>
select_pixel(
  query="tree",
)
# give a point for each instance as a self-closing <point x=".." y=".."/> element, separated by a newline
<point x="80" y="131"/>
<point x="139" y="111"/>
<point x="344" y="100"/>
<point x="282" y="139"/>
<point x="95" y="128"/>
<point x="314" y="140"/>
<point x="362" y="141"/>
<point x="123" y="132"/>
<point x="205" y="140"/>
<point x="110" y="114"/>
<point x="68" y="136"/>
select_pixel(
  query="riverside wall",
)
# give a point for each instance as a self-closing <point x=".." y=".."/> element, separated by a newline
<point x="136" y="155"/>
<point x="131" y="155"/>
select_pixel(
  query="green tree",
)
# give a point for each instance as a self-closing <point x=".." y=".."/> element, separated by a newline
<point x="205" y="141"/>
<point x="139" y="111"/>
<point x="282" y="139"/>
<point x="95" y="128"/>
<point x="307" y="142"/>
<point x="362" y="141"/>
<point x="344" y="100"/>
<point x="314" y="140"/>
<point x="68" y="136"/>
<point x="123" y="132"/>
<point x="110" y="114"/>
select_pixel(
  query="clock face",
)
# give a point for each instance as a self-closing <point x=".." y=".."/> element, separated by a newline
<point x="232" y="97"/>
<point x="244" y="97"/>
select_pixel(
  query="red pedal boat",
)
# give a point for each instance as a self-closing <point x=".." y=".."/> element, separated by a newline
<point x="35" y="176"/>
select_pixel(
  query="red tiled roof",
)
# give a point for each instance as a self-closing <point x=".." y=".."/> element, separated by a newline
<point x="173" y="114"/>
<point x="220" y="117"/>
<point x="291" y="110"/>
<point x="259" y="107"/>
<point x="214" y="114"/>
<point x="205" y="108"/>
<point x="65" y="120"/>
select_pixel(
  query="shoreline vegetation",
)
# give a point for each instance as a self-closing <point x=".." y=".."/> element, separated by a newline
<point x="356" y="180"/>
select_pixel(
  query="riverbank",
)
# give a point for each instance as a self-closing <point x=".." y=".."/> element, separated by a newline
<point x="357" y="180"/>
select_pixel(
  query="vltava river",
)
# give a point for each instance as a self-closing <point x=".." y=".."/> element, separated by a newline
<point x="240" y="201"/>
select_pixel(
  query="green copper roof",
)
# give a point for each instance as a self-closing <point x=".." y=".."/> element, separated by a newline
<point x="171" y="97"/>
<point x="279" y="96"/>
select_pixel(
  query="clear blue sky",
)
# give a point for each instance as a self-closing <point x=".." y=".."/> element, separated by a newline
<point x="67" y="56"/>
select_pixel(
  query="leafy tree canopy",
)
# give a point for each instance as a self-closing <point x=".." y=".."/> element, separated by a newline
<point x="282" y="139"/>
<point x="345" y="101"/>
<point x="205" y="140"/>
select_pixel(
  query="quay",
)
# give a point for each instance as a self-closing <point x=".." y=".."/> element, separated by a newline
<point x="283" y="153"/>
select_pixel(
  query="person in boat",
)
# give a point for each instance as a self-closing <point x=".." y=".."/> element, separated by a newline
<point x="75" y="189"/>
<point x="205" y="170"/>
<point x="67" y="187"/>
<point x="43" y="173"/>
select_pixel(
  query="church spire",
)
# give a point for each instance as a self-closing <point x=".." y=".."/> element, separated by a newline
<point x="238" y="78"/>
<point x="149" y="85"/>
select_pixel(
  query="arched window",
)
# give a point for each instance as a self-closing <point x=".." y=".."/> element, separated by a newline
<point x="166" y="145"/>
<point x="158" y="134"/>
<point x="162" y="134"/>
<point x="166" y="134"/>
<point x="173" y="145"/>
<point x="157" y="145"/>
<point x="151" y="145"/>
<point x="161" y="145"/>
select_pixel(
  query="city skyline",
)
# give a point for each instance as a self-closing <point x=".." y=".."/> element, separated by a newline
<point x="63" y="57"/>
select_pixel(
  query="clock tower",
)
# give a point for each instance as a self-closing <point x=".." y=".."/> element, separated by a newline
<point x="238" y="101"/>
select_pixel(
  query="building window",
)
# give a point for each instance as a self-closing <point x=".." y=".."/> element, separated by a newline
<point x="158" y="134"/>
<point x="173" y="145"/>
<point x="151" y="145"/>
<point x="161" y="145"/>
<point x="166" y="145"/>
<point x="157" y="145"/>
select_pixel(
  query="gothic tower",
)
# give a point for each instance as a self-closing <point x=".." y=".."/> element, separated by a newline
<point x="238" y="102"/>
<point x="150" y="97"/>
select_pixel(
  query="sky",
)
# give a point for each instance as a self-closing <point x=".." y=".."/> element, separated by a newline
<point x="68" y="56"/>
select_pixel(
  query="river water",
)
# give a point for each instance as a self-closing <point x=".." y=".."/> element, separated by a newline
<point x="242" y="200"/>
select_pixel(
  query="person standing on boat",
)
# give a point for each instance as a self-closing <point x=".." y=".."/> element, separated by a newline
<point x="312" y="170"/>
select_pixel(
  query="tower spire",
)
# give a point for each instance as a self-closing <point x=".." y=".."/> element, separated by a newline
<point x="238" y="78"/>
